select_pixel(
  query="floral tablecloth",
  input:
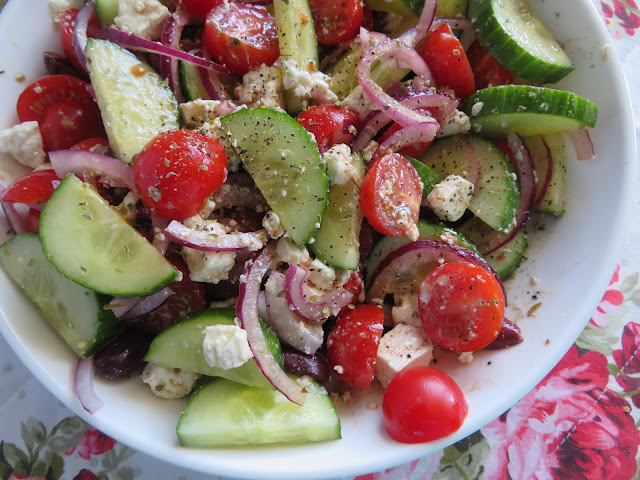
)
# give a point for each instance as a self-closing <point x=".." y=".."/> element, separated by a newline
<point x="581" y="421"/>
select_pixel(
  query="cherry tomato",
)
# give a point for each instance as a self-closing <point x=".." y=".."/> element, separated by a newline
<point x="94" y="144"/>
<point x="354" y="284"/>
<point x="66" y="123"/>
<point x="67" y="27"/>
<point x="33" y="220"/>
<point x="461" y="306"/>
<point x="177" y="171"/>
<point x="448" y="61"/>
<point x="422" y="404"/>
<point x="352" y="344"/>
<point x="330" y="124"/>
<point x="416" y="149"/>
<point x="486" y="70"/>
<point x="336" y="21"/>
<point x="391" y="194"/>
<point x="34" y="188"/>
<point x="241" y="36"/>
<point x="39" y="96"/>
<point x="199" y="8"/>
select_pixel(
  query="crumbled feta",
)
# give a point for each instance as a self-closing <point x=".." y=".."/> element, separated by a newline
<point x="476" y="109"/>
<point x="23" y="142"/>
<point x="465" y="358"/>
<point x="370" y="150"/>
<point x="306" y="86"/>
<point x="168" y="382"/>
<point x="198" y="112"/>
<point x="406" y="310"/>
<point x="144" y="18"/>
<point x="404" y="346"/>
<point x="450" y="198"/>
<point x="321" y="275"/>
<point x="455" y="124"/>
<point x="209" y="267"/>
<point x="340" y="168"/>
<point x="271" y="222"/>
<point x="359" y="102"/>
<point x="209" y="207"/>
<point x="289" y="252"/>
<point x="58" y="7"/>
<point x="262" y="87"/>
<point x="225" y="346"/>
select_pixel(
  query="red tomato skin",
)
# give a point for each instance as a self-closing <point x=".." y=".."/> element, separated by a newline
<point x="66" y="123"/>
<point x="448" y="61"/>
<point x="486" y="70"/>
<point x="461" y="306"/>
<point x="390" y="186"/>
<point x="352" y="344"/>
<point x="40" y="95"/>
<point x="93" y="144"/>
<point x="33" y="221"/>
<point x="423" y="404"/>
<point x="177" y="171"/>
<point x="336" y="21"/>
<point x="354" y="284"/>
<point x="199" y="8"/>
<point x="241" y="36"/>
<point x="67" y="27"/>
<point x="34" y="188"/>
<point x="330" y="124"/>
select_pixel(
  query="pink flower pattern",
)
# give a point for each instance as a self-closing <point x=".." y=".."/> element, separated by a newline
<point x="93" y="442"/>
<point x="621" y="14"/>
<point x="611" y="301"/>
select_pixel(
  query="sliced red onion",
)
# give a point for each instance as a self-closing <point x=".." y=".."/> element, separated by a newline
<point x="83" y="385"/>
<point x="412" y="36"/>
<point x="111" y="170"/>
<point x="247" y="312"/>
<point x="120" y="305"/>
<point x="17" y="222"/>
<point x="211" y="81"/>
<point x="146" y="304"/>
<point x="290" y="329"/>
<point x="543" y="166"/>
<point x="411" y="135"/>
<point x="309" y="306"/>
<point x="85" y="14"/>
<point x="208" y="242"/>
<point x="583" y="143"/>
<point x="403" y="270"/>
<point x="456" y="23"/>
<point x="171" y="34"/>
<point x="301" y="364"/>
<point x="134" y="42"/>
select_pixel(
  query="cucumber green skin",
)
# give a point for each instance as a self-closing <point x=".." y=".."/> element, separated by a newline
<point x="529" y="110"/>
<point x="510" y="33"/>
<point x="76" y="313"/>
<point x="496" y="198"/>
<point x="190" y="83"/>
<point x="107" y="10"/>
<point x="337" y="243"/>
<point x="554" y="202"/>
<point x="507" y="258"/>
<point x="180" y="346"/>
<point x="282" y="156"/>
<point x="428" y="177"/>
<point x="135" y="108"/>
<point x="426" y="231"/>
<point x="445" y="8"/>
<point x="91" y="244"/>
<point x="225" y="413"/>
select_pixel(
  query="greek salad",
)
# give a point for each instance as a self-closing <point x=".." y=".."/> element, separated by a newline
<point x="261" y="206"/>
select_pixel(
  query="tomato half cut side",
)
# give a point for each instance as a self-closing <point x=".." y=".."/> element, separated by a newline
<point x="336" y="21"/>
<point x="330" y="124"/>
<point x="34" y="188"/>
<point x="461" y="306"/>
<point x="67" y="28"/>
<point x="34" y="101"/>
<point x="390" y="196"/>
<point x="66" y="123"/>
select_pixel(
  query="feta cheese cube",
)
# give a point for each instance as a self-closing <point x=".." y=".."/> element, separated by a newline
<point x="23" y="143"/>
<point x="340" y="169"/>
<point x="262" y="87"/>
<point x="406" y="310"/>
<point x="198" y="112"/>
<point x="289" y="252"/>
<point x="308" y="87"/>
<point x="144" y="18"/>
<point x="402" y="347"/>
<point x="450" y="198"/>
<point x="456" y="123"/>
<point x="322" y="275"/>
<point x="271" y="222"/>
<point x="359" y="102"/>
<point x="58" y="7"/>
<point x="168" y="382"/>
<point x="225" y="346"/>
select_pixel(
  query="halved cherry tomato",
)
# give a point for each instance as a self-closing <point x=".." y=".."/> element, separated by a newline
<point x="336" y="21"/>
<point x="422" y="404"/>
<point x="354" y="284"/>
<point x="177" y="171"/>
<point x="448" y="61"/>
<point x="416" y="149"/>
<point x="67" y="27"/>
<point x="40" y="95"/>
<point x="390" y="196"/>
<point x="241" y="36"/>
<point x="34" y="188"/>
<point x="199" y="8"/>
<point x="65" y="123"/>
<point x="330" y="124"/>
<point x="486" y="70"/>
<point x="352" y="344"/>
<point x="33" y="220"/>
<point x="94" y="144"/>
<point x="461" y="306"/>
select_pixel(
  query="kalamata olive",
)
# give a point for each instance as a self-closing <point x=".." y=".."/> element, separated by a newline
<point x="58" y="64"/>
<point x="509" y="335"/>
<point x="123" y="356"/>
<point x="299" y="363"/>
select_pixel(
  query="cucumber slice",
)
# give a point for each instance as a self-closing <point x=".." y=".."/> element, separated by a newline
<point x="107" y="11"/>
<point x="495" y="198"/>
<point x="342" y="73"/>
<point x="135" y="102"/>
<point x="224" y="413"/>
<point x="76" y="313"/>
<point x="506" y="259"/>
<point x="286" y="165"/>
<point x="190" y="83"/>
<point x="510" y="32"/>
<point x="413" y="8"/>
<point x="498" y="111"/>
<point x="337" y="242"/>
<point x="562" y="151"/>
<point x="426" y="231"/>
<point x="91" y="244"/>
<point x="180" y="346"/>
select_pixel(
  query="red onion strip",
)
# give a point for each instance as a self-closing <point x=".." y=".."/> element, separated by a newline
<point x="146" y="304"/>
<point x="583" y="143"/>
<point x="247" y="312"/>
<point x="85" y="14"/>
<point x="412" y="36"/>
<point x="79" y="162"/>
<point x="411" y="135"/>
<point x="171" y="35"/>
<point x="120" y="305"/>
<point x="211" y="81"/>
<point x="17" y="222"/>
<point x="83" y="385"/>
<point x="207" y="242"/>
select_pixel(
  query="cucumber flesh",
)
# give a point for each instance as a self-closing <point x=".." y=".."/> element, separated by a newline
<point x="180" y="346"/>
<point x="135" y="102"/>
<point x="107" y="11"/>
<point x="342" y="72"/>
<point x="225" y="413"/>
<point x="506" y="259"/>
<point x="190" y="83"/>
<point x="510" y="32"/>
<point x="91" y="244"/>
<point x="286" y="165"/>
<point x="428" y="177"/>
<point x="76" y="313"/>
<point x="562" y="151"/>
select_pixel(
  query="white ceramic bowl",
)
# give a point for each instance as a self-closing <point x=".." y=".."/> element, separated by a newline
<point x="573" y="258"/>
